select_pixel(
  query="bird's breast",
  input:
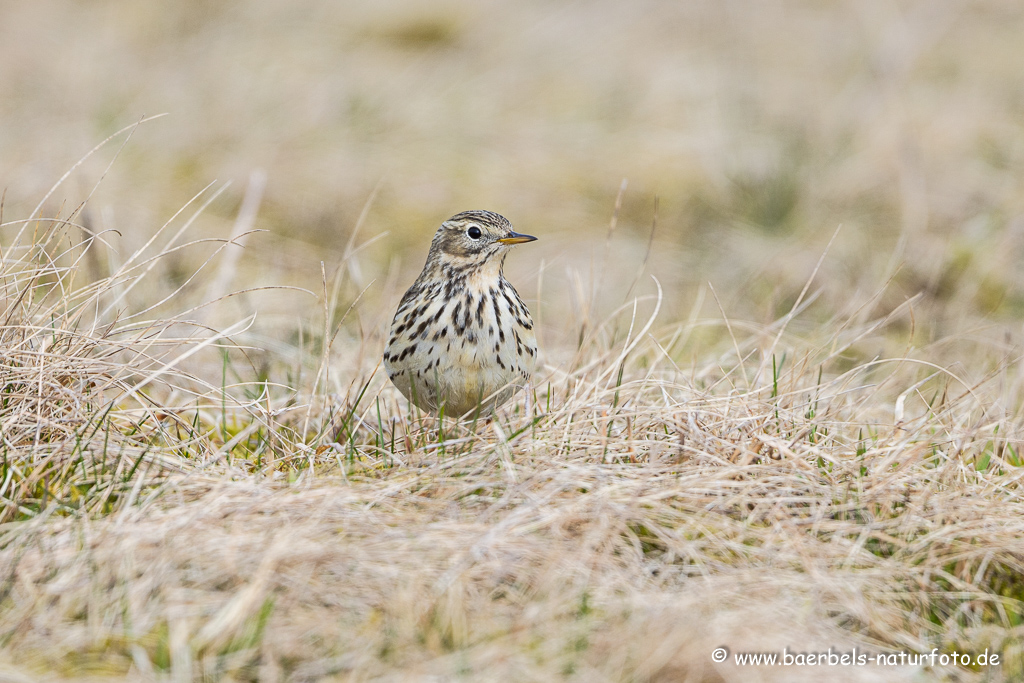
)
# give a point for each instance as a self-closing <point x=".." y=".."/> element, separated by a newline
<point x="467" y="342"/>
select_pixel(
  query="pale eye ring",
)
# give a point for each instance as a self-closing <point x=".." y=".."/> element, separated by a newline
<point x="474" y="232"/>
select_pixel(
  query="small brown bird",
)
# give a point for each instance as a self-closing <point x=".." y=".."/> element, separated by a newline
<point x="462" y="338"/>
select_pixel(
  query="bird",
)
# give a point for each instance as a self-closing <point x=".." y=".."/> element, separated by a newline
<point x="462" y="341"/>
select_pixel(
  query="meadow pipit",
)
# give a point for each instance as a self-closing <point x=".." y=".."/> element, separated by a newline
<point x="462" y="338"/>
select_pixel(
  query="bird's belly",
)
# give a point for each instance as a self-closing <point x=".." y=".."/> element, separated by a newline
<point x="463" y="376"/>
<point x="472" y="379"/>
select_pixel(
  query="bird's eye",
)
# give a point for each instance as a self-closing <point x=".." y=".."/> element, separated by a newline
<point x="474" y="233"/>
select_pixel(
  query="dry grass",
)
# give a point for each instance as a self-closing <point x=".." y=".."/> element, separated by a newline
<point x="820" y="449"/>
<point x="617" y="524"/>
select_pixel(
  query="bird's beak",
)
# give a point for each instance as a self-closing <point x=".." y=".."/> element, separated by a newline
<point x="516" y="238"/>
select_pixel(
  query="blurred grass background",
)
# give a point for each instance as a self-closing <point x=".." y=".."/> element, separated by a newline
<point x="759" y="127"/>
<point x="748" y="132"/>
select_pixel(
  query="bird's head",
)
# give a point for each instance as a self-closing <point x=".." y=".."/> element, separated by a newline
<point x="472" y="238"/>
